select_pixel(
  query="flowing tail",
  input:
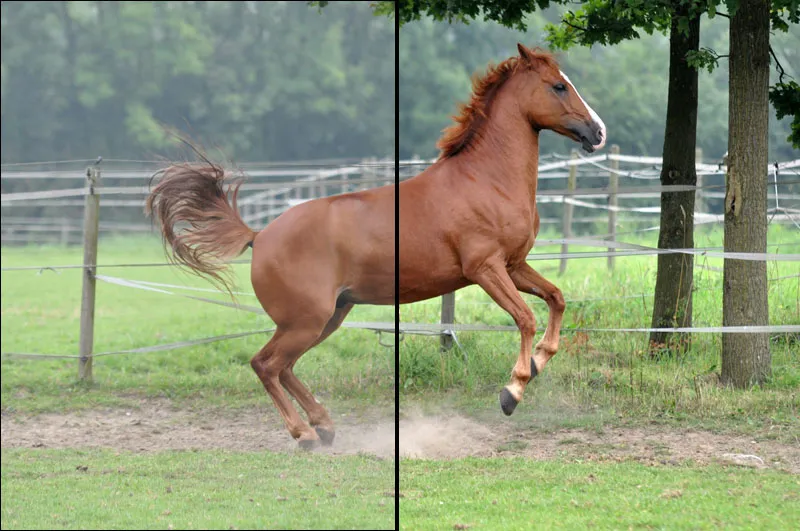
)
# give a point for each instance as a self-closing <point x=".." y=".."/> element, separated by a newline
<point x="201" y="227"/>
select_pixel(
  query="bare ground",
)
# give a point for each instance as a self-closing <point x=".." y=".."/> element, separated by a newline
<point x="453" y="436"/>
<point x="157" y="427"/>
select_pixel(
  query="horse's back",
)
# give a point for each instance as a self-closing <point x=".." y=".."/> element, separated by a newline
<point x="341" y="244"/>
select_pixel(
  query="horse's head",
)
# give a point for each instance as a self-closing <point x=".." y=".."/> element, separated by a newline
<point x="550" y="101"/>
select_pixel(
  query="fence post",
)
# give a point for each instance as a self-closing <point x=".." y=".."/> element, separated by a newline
<point x="448" y="316"/>
<point x="613" y="186"/>
<point x="568" y="207"/>
<point x="698" y="194"/>
<point x="90" y="228"/>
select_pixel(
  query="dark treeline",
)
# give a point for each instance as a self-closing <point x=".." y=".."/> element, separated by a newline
<point x="285" y="81"/>
<point x="260" y="80"/>
<point x="626" y="83"/>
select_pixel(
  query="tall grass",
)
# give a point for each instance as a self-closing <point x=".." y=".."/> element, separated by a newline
<point x="613" y="372"/>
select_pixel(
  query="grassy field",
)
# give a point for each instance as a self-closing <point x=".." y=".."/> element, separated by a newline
<point x="525" y="494"/>
<point x="46" y="489"/>
<point x="76" y="489"/>
<point x="603" y="377"/>
<point x="41" y="314"/>
<point x="598" y="380"/>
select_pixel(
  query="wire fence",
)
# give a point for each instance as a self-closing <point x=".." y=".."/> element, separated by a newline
<point x="37" y="208"/>
<point x="32" y="216"/>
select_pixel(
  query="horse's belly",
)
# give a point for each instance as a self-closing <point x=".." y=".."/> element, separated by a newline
<point x="430" y="290"/>
<point x="373" y="288"/>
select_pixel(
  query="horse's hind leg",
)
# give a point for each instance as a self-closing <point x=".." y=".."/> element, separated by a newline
<point x="318" y="416"/>
<point x="285" y="346"/>
<point x="528" y="280"/>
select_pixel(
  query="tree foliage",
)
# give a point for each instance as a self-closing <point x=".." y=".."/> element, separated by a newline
<point x="509" y="13"/>
<point x="609" y="22"/>
<point x="785" y="97"/>
<point x="615" y="22"/>
<point x="263" y="81"/>
<point x="625" y="83"/>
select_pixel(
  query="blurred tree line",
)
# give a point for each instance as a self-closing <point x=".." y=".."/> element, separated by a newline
<point x="261" y="80"/>
<point x="625" y="83"/>
<point x="287" y="81"/>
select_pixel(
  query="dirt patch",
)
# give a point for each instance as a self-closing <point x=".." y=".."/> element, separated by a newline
<point x="454" y="436"/>
<point x="156" y="427"/>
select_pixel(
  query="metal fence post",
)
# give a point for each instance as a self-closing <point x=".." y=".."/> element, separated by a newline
<point x="568" y="207"/>
<point x="448" y="316"/>
<point x="90" y="230"/>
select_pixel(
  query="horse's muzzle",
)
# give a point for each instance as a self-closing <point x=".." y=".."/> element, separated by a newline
<point x="592" y="135"/>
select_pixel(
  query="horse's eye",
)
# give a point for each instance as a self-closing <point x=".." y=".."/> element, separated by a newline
<point x="560" y="87"/>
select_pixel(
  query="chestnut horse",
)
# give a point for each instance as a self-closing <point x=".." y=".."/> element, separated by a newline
<point x="309" y="267"/>
<point x="319" y="258"/>
<point x="471" y="217"/>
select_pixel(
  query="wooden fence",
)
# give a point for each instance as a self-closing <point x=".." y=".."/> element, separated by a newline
<point x="261" y="202"/>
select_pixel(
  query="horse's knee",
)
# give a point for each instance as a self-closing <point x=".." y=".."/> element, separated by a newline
<point x="267" y="372"/>
<point x="557" y="303"/>
<point x="257" y="362"/>
<point x="527" y="323"/>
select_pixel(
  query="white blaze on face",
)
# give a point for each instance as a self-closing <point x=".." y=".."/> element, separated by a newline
<point x="593" y="114"/>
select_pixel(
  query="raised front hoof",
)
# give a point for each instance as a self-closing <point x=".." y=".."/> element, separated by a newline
<point x="308" y="444"/>
<point x="325" y="435"/>
<point x="507" y="402"/>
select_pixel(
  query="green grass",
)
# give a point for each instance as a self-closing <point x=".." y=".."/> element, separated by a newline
<point x="596" y="380"/>
<point x="601" y="377"/>
<point x="525" y="494"/>
<point x="41" y="314"/>
<point x="207" y="489"/>
<point x="50" y="489"/>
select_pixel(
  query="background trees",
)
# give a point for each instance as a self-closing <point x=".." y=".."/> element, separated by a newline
<point x="263" y="81"/>
<point x="627" y="81"/>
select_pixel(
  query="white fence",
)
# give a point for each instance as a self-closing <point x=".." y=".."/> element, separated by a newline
<point x="50" y="209"/>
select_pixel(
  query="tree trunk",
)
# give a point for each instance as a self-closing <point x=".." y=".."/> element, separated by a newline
<point x="672" y="304"/>
<point x="745" y="357"/>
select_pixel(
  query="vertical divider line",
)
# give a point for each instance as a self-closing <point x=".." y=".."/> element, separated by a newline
<point x="396" y="267"/>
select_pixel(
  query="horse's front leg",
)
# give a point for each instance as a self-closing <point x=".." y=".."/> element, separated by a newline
<point x="493" y="277"/>
<point x="527" y="280"/>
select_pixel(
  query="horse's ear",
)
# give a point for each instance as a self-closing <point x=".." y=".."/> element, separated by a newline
<point x="525" y="53"/>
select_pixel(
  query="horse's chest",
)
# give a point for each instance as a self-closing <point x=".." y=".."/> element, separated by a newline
<point x="517" y="235"/>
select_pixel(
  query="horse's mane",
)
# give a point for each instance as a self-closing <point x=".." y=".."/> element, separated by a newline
<point x="473" y="115"/>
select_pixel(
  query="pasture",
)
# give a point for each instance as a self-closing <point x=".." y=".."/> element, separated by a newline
<point x="517" y="493"/>
<point x="194" y="421"/>
<point x="612" y="373"/>
<point x="606" y="437"/>
<point x="107" y="489"/>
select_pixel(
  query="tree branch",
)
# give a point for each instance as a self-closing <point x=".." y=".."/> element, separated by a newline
<point x="781" y="72"/>
<point x="573" y="26"/>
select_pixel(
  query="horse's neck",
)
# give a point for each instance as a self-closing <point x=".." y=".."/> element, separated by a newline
<point x="505" y="152"/>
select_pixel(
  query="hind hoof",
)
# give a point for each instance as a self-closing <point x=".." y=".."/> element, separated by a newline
<point x="507" y="402"/>
<point x="326" y="436"/>
<point x="307" y="444"/>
